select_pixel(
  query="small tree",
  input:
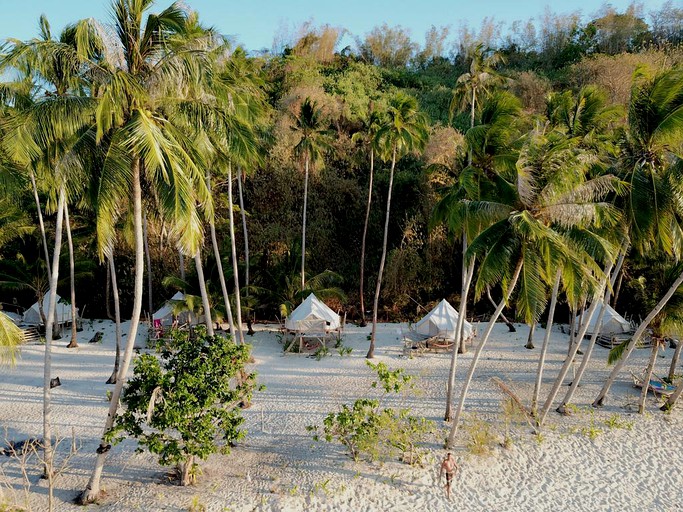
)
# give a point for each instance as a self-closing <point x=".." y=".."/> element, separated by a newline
<point x="186" y="403"/>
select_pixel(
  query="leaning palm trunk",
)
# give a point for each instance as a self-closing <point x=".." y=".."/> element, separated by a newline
<point x="671" y="402"/>
<point x="117" y="318"/>
<point x="303" y="228"/>
<point x="363" y="323"/>
<point x="477" y="355"/>
<point x="378" y="287"/>
<point x="245" y="233"/>
<point x="636" y="338"/>
<point x="546" y="341"/>
<point x="648" y="375"/>
<point x="459" y="329"/>
<point x="562" y="409"/>
<point x="49" y="323"/>
<point x="74" y="325"/>
<point x="148" y="257"/>
<point x="507" y="322"/>
<point x="203" y="293"/>
<point x="573" y="350"/>
<point x="219" y="264"/>
<point x="467" y="273"/>
<point x="92" y="490"/>
<point x="235" y="269"/>
<point x="42" y="225"/>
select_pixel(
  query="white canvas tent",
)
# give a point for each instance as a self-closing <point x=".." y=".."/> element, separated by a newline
<point x="62" y="312"/>
<point x="310" y="311"/>
<point x="612" y="322"/>
<point x="165" y="312"/>
<point x="442" y="321"/>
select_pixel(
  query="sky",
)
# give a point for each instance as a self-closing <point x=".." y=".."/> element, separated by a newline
<point x="254" y="23"/>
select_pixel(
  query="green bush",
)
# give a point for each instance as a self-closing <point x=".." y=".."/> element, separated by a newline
<point x="367" y="429"/>
<point x="186" y="403"/>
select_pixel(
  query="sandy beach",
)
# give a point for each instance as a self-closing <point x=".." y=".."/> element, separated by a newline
<point x="607" y="459"/>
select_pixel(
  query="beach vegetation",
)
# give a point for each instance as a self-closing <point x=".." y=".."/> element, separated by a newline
<point x="186" y="403"/>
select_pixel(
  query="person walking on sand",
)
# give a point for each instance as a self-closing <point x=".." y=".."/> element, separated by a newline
<point x="450" y="467"/>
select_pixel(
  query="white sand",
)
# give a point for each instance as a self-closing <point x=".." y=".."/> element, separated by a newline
<point x="279" y="467"/>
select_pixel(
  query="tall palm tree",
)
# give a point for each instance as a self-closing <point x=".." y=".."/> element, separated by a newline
<point x="46" y="134"/>
<point x="487" y="146"/>
<point x="404" y="130"/>
<point x="649" y="161"/>
<point x="309" y="124"/>
<point x="151" y="67"/>
<point x="472" y="86"/>
<point x="368" y="136"/>
<point x="531" y="234"/>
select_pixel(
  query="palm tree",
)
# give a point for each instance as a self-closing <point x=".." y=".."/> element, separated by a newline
<point x="46" y="134"/>
<point x="368" y="135"/>
<point x="310" y="126"/>
<point x="151" y="68"/>
<point x="487" y="144"/>
<point x="478" y="81"/>
<point x="530" y="234"/>
<point x="404" y="130"/>
<point x="651" y="165"/>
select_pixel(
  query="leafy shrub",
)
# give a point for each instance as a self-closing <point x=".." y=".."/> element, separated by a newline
<point x="187" y="402"/>
<point x="367" y="429"/>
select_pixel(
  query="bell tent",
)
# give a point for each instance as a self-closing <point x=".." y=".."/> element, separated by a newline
<point x="612" y="322"/>
<point x="164" y="315"/>
<point x="62" y="312"/>
<point x="442" y="322"/>
<point x="310" y="311"/>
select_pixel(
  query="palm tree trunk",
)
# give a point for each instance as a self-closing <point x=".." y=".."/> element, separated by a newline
<point x="546" y="341"/>
<point x="363" y="323"/>
<point x="636" y="338"/>
<point x="47" y="377"/>
<point x="245" y="233"/>
<point x="148" y="257"/>
<point x="117" y="314"/>
<point x="181" y="263"/>
<point x="74" y="324"/>
<point x="509" y="324"/>
<point x="303" y="229"/>
<point x="378" y="287"/>
<point x="235" y="268"/>
<point x="674" y="360"/>
<point x="562" y="409"/>
<point x="459" y="329"/>
<point x="107" y="299"/>
<point x="530" y="339"/>
<point x="671" y="402"/>
<point x="92" y="490"/>
<point x="461" y="346"/>
<point x="42" y="225"/>
<point x="648" y="375"/>
<point x="574" y="349"/>
<point x="219" y="264"/>
<point x="203" y="293"/>
<point x="477" y="355"/>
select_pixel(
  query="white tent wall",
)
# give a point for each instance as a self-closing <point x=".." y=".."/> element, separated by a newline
<point x="62" y="312"/>
<point x="309" y="310"/>
<point x="165" y="312"/>
<point x="612" y="322"/>
<point x="441" y="321"/>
